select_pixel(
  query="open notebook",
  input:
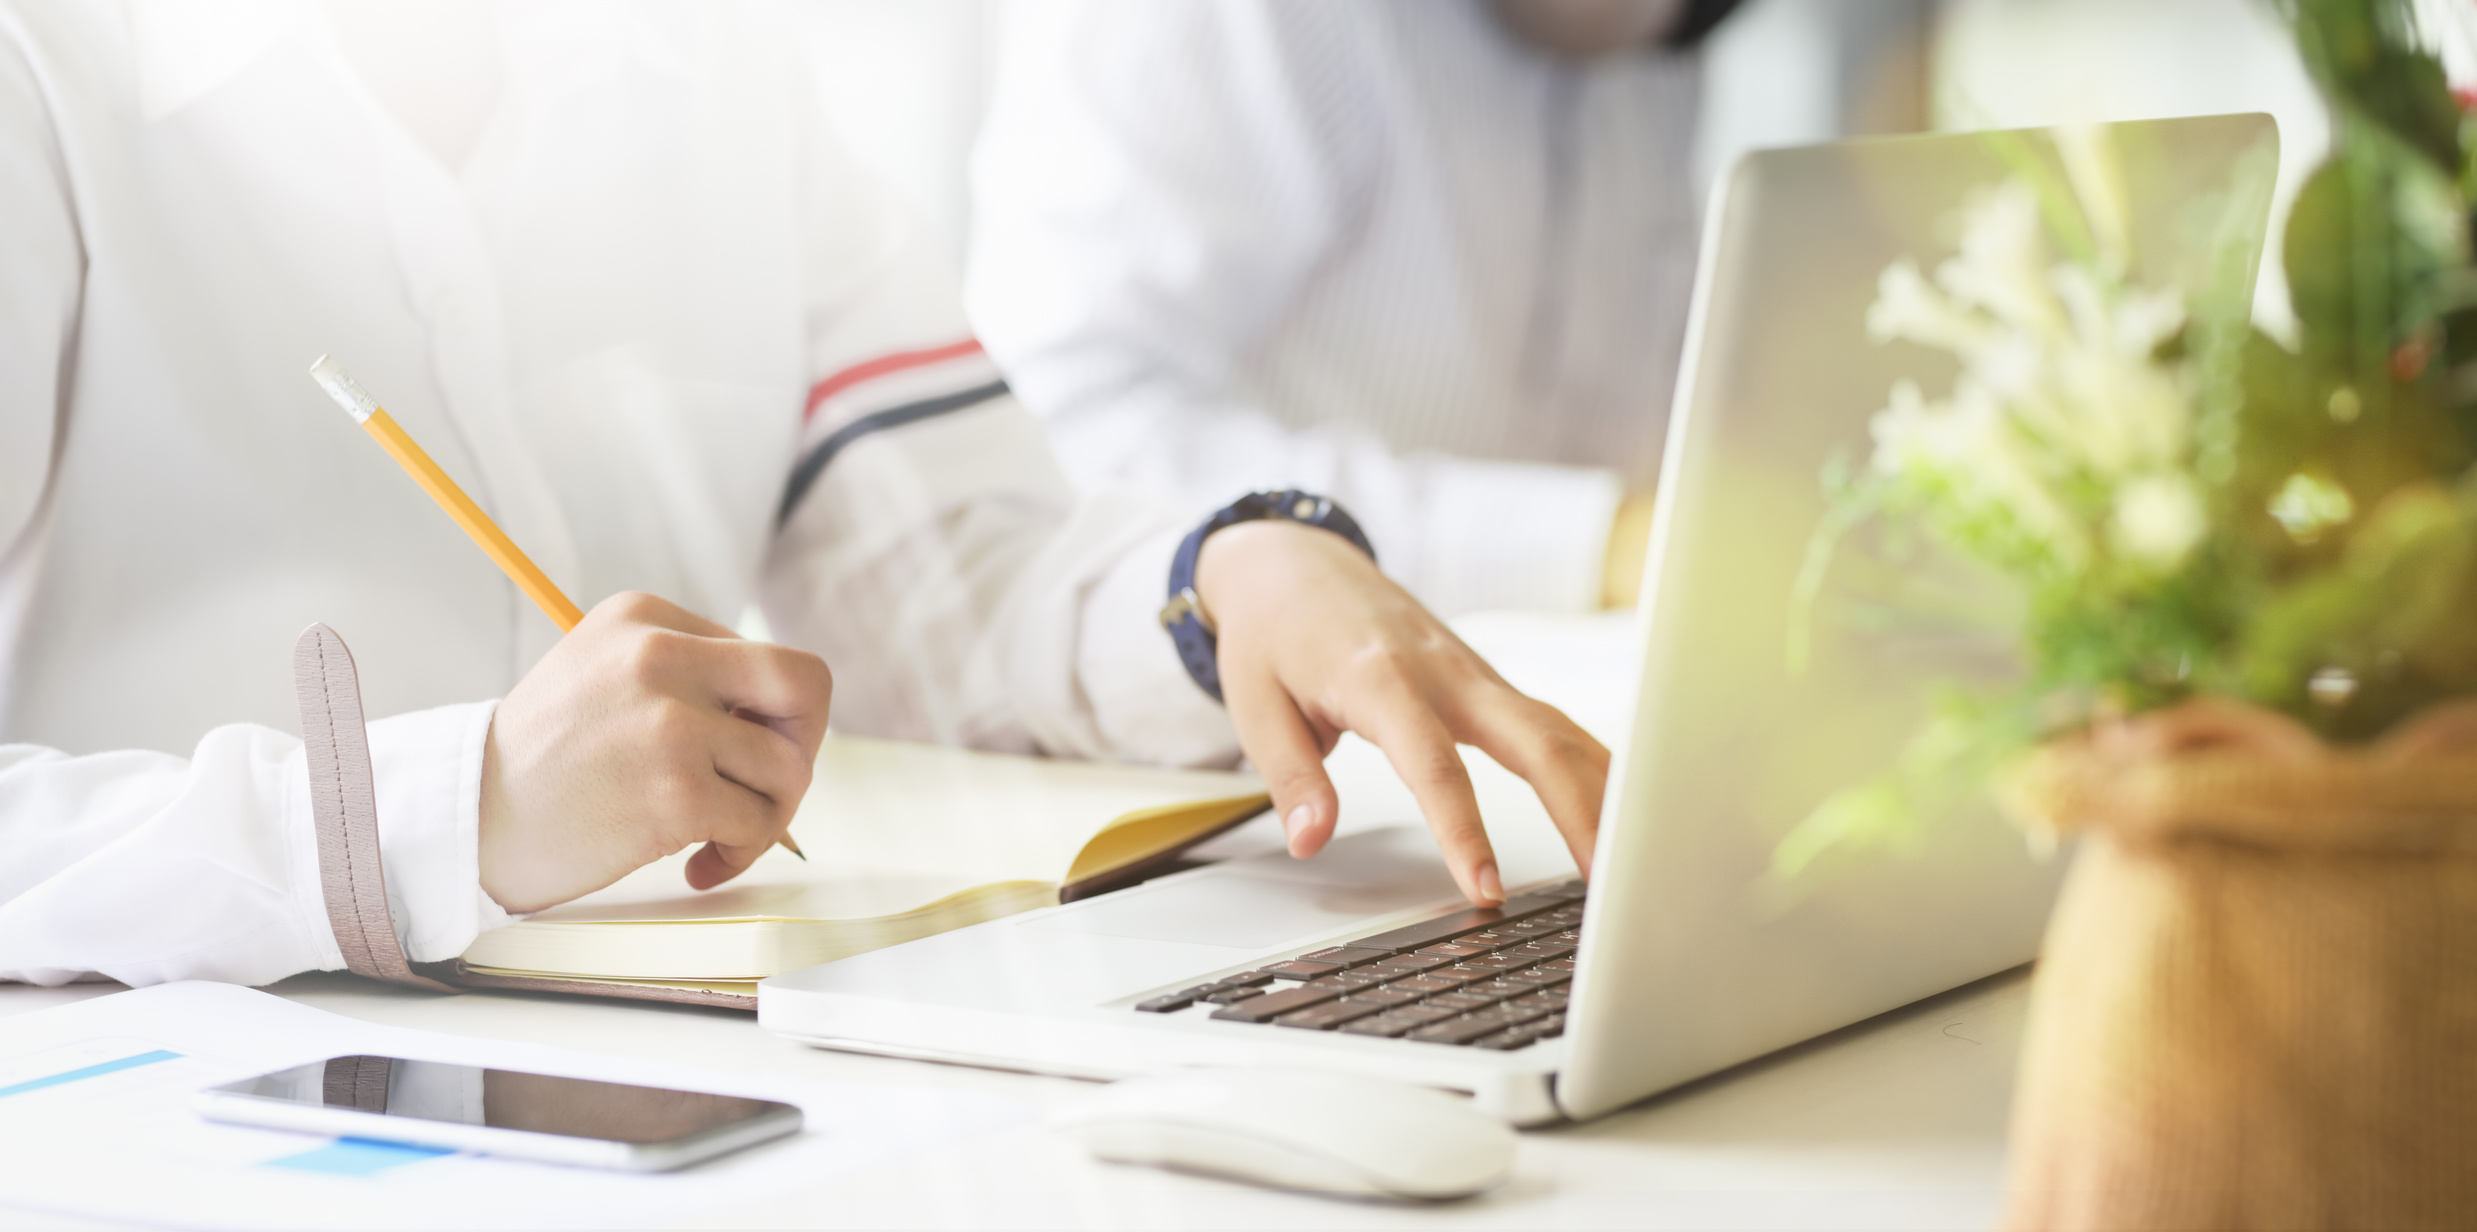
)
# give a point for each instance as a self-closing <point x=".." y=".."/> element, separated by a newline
<point x="904" y="840"/>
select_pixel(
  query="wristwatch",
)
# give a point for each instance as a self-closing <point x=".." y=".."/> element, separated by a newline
<point x="1190" y="626"/>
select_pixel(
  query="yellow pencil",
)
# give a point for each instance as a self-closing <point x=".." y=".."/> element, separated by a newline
<point x="494" y="542"/>
<point x="399" y="445"/>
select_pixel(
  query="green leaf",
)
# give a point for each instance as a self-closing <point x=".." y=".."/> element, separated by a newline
<point x="2366" y="57"/>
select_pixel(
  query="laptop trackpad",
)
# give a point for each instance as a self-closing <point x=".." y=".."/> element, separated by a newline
<point x="1262" y="902"/>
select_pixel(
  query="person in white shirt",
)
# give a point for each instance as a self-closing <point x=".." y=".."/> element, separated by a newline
<point x="1430" y="257"/>
<point x="602" y="262"/>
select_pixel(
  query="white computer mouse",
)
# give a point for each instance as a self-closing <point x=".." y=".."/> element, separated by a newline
<point x="1298" y="1129"/>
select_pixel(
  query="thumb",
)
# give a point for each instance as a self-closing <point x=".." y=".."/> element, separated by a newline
<point x="718" y="862"/>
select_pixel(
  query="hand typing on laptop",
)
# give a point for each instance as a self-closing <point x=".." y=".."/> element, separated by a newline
<point x="1315" y="641"/>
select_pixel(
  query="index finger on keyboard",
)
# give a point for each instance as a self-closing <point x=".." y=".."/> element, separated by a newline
<point x="1422" y="751"/>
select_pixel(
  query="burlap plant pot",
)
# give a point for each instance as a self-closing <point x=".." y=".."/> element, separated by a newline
<point x="2256" y="1006"/>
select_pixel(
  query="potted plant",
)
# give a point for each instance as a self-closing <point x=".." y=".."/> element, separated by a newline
<point x="2249" y="576"/>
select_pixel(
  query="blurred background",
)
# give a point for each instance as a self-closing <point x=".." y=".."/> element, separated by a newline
<point x="909" y="85"/>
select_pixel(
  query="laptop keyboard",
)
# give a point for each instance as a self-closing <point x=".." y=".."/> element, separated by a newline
<point x="1486" y="977"/>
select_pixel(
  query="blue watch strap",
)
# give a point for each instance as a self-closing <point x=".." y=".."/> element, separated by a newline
<point x="1184" y="615"/>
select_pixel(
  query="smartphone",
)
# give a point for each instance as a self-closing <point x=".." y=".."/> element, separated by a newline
<point x="501" y="1112"/>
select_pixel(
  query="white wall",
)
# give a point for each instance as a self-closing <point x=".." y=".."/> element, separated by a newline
<point x="1796" y="72"/>
<point x="904" y="82"/>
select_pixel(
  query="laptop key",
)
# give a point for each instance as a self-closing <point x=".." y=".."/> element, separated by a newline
<point x="1500" y="1016"/>
<point x="1527" y="929"/>
<point x="1455" y="949"/>
<point x="1348" y="981"/>
<point x="1384" y="1025"/>
<point x="1346" y="955"/>
<point x="1447" y="927"/>
<point x="1558" y="964"/>
<point x="1501" y="988"/>
<point x="1551" y="1000"/>
<point x="1536" y="977"/>
<point x="1512" y="1011"/>
<point x="1488" y="937"/>
<point x="1298" y="969"/>
<point x="1423" y="984"/>
<point x="1408" y="963"/>
<point x="1461" y="1030"/>
<point x="1271" y="1005"/>
<point x="1383" y="994"/>
<point x="1504" y="960"/>
<point x="1327" y="1016"/>
<point x="1244" y="979"/>
<point x="1228" y="993"/>
<point x="1550" y="1027"/>
<point x="1396" y="1021"/>
<point x="1508" y="1040"/>
<point x="1462" y="1000"/>
<point x="1541" y="949"/>
<point x="1184" y="997"/>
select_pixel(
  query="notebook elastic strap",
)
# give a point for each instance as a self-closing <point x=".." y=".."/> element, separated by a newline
<point x="344" y="810"/>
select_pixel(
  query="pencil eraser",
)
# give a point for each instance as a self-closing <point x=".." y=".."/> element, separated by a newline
<point x="346" y="391"/>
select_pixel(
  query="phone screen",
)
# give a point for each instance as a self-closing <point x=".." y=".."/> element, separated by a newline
<point x="503" y="1099"/>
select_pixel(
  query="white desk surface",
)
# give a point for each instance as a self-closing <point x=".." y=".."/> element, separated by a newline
<point x="1895" y="1123"/>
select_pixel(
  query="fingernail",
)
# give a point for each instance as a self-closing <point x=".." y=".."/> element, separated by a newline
<point x="1489" y="887"/>
<point x="1297" y="822"/>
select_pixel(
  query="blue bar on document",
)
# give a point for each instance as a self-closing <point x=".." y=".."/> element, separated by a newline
<point x="91" y="1071"/>
<point x="359" y="1157"/>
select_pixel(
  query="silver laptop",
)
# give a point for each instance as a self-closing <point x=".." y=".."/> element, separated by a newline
<point x="1682" y="958"/>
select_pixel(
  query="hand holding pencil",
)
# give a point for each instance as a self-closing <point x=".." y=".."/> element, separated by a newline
<point x="652" y="726"/>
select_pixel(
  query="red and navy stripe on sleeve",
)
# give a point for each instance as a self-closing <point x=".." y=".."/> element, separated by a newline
<point x="888" y="391"/>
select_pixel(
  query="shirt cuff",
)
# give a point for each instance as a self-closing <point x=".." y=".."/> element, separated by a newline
<point x="1513" y="535"/>
<point x="429" y="770"/>
<point x="1146" y="706"/>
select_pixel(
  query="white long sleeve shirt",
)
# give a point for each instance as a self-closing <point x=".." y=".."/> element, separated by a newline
<point x="1381" y="250"/>
<point x="655" y="324"/>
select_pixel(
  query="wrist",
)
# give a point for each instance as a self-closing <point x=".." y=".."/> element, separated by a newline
<point x="514" y="870"/>
<point x="1188" y="616"/>
<point x="1249" y="559"/>
<point x="490" y="813"/>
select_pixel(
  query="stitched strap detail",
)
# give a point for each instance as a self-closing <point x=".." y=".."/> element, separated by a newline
<point x="344" y="809"/>
<point x="356" y="1082"/>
